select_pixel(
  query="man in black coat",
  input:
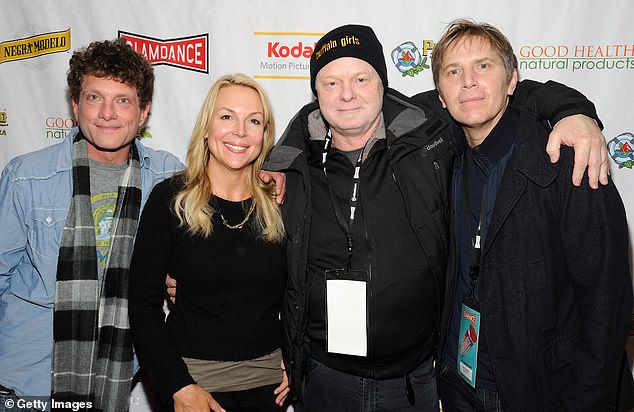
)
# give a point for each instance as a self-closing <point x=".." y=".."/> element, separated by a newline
<point x="539" y="294"/>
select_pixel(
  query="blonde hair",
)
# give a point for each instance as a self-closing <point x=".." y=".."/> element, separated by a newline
<point x="191" y="204"/>
<point x="463" y="28"/>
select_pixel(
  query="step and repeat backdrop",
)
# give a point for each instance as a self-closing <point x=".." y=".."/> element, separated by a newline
<point x="588" y="45"/>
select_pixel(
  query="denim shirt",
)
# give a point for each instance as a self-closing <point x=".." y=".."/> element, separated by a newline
<point x="35" y="196"/>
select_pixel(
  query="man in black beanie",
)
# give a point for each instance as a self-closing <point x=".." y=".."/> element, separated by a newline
<point x="348" y="41"/>
<point x="366" y="213"/>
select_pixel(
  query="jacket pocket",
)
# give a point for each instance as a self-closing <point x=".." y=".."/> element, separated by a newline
<point x="312" y="367"/>
<point x="45" y="232"/>
<point x="554" y="361"/>
<point x="560" y="352"/>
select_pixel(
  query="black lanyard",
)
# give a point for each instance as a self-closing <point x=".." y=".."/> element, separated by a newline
<point x="476" y="243"/>
<point x="339" y="214"/>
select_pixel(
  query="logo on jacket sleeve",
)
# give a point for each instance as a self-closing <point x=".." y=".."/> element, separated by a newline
<point x="621" y="150"/>
<point x="438" y="146"/>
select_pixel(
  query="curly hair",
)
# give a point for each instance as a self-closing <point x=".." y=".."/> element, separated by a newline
<point x="113" y="59"/>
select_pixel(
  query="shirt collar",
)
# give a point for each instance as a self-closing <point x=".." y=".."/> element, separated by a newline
<point x="497" y="143"/>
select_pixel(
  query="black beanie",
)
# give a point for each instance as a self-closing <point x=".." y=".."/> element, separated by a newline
<point x="351" y="40"/>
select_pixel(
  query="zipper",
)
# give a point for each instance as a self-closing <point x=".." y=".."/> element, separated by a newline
<point x="370" y="304"/>
<point x="441" y="188"/>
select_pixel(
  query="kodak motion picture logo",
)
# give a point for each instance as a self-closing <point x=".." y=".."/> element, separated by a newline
<point x="284" y="55"/>
<point x="190" y="53"/>
<point x="34" y="46"/>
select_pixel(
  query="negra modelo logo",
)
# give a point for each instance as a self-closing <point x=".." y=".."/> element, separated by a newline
<point x="34" y="46"/>
<point x="191" y="53"/>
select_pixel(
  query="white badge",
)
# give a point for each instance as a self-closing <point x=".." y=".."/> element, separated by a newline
<point x="346" y="316"/>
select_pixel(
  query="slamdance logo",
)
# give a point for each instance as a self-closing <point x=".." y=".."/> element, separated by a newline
<point x="409" y="60"/>
<point x="621" y="150"/>
<point x="190" y="53"/>
<point x="576" y="57"/>
<point x="34" y="46"/>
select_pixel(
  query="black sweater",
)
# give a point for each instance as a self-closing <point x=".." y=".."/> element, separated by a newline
<point x="229" y="291"/>
<point x="402" y="299"/>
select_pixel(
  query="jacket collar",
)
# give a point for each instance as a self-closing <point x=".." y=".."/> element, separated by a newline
<point x="400" y="118"/>
<point x="499" y="141"/>
<point x="528" y="162"/>
<point x="317" y="129"/>
<point x="523" y="160"/>
<point x="408" y="126"/>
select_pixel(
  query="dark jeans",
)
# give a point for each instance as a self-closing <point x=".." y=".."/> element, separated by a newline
<point x="327" y="389"/>
<point x="259" y="399"/>
<point x="457" y="395"/>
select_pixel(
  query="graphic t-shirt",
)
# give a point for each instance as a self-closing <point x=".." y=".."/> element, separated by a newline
<point x="104" y="184"/>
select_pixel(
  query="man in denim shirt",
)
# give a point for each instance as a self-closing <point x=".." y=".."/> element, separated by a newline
<point x="63" y="283"/>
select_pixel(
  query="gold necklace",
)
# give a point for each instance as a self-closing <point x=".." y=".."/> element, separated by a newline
<point x="239" y="225"/>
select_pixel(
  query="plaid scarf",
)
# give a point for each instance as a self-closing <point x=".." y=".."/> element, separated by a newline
<point x="92" y="353"/>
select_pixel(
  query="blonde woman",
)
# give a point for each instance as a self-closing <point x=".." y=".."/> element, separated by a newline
<point x="216" y="228"/>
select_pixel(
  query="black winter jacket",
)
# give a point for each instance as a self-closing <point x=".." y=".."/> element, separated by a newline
<point x="420" y="150"/>
<point x="420" y="156"/>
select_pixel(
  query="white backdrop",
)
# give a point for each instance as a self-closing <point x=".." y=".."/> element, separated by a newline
<point x="588" y="45"/>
